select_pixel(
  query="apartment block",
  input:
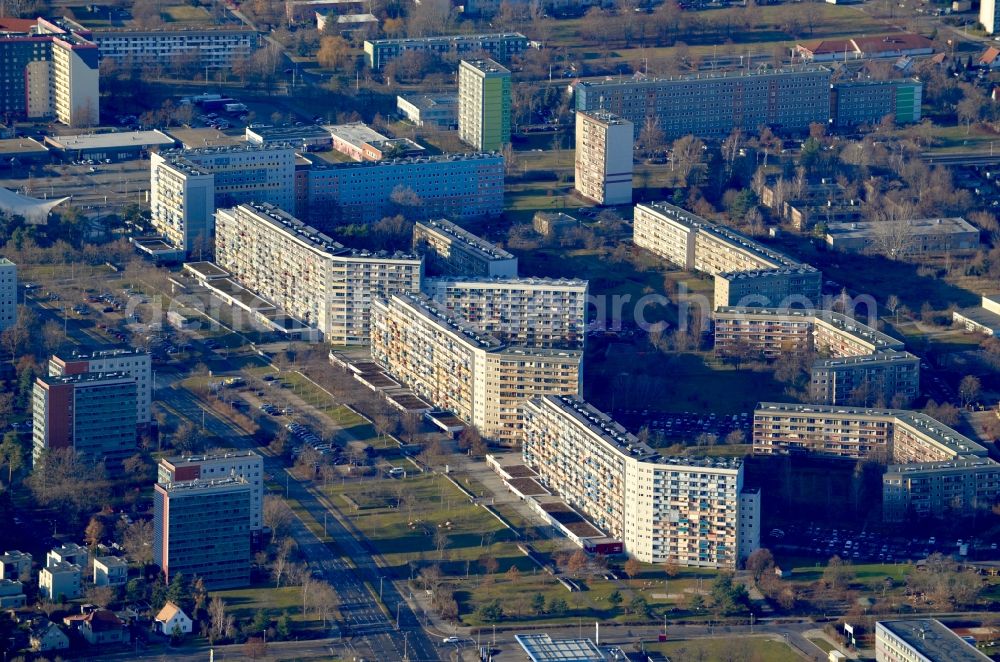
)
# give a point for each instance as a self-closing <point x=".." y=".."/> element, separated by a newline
<point x="133" y="362"/>
<point x="899" y="238"/>
<point x="93" y="414"/>
<point x="8" y="294"/>
<point x="60" y="581"/>
<point x="67" y="553"/>
<point x="791" y="99"/>
<point x="12" y="594"/>
<point x="451" y="250"/>
<point x="692" y="511"/>
<point x="15" y="565"/>
<point x="895" y="436"/>
<point x="186" y="186"/>
<point x="500" y="46"/>
<point x="746" y="272"/>
<point x="201" y="528"/>
<point x="603" y="158"/>
<point x="988" y="15"/>
<point x="458" y="367"/>
<point x="307" y="274"/>
<point x="855" y="364"/>
<point x="215" y="48"/>
<point x="922" y="640"/>
<point x="528" y="312"/>
<point x="50" y="71"/>
<point x="245" y="465"/>
<point x="463" y="186"/>
<point x="937" y="489"/>
<point x="855" y="102"/>
<point x="484" y="104"/>
<point x="110" y="571"/>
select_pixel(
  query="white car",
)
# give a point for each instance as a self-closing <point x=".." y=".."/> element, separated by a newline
<point x="451" y="640"/>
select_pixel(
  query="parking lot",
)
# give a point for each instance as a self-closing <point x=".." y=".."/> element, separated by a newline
<point x="686" y="426"/>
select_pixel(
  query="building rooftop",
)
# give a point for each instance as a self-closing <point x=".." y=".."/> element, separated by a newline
<point x="486" y="249"/>
<point x="640" y="79"/>
<point x="111" y="140"/>
<point x="505" y="282"/>
<point x="486" y="66"/>
<point x="209" y="457"/>
<point x="203" y="484"/>
<point x="416" y="160"/>
<point x="543" y="648"/>
<point x="307" y="234"/>
<point x="447" y="38"/>
<point x="961" y="462"/>
<point x="604" y="117"/>
<point x="866" y="229"/>
<point x="111" y="561"/>
<point x="982" y="317"/>
<point x="98" y="353"/>
<point x="61" y="567"/>
<point x="85" y="378"/>
<point x="933" y="430"/>
<point x="7" y="263"/>
<point x="442" y="317"/>
<point x="355" y="133"/>
<point x="930" y="638"/>
<point x="288" y="134"/>
<point x="886" y="356"/>
<point x="428" y="101"/>
<point x="21" y="146"/>
<point x="838" y="321"/>
<point x="206" y="137"/>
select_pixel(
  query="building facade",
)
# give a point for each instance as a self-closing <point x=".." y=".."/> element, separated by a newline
<point x="484" y="104"/>
<point x="746" y="272"/>
<point x="961" y="486"/>
<point x="132" y="362"/>
<point x="60" y="581"/>
<point x="8" y="294"/>
<point x="451" y="250"/>
<point x="458" y="367"/>
<point x="15" y="565"/>
<point x="529" y="312"/>
<point x="110" y="571"/>
<point x="93" y="414"/>
<point x="245" y="465"/>
<point x="790" y="99"/>
<point x="308" y="275"/>
<point x="922" y="640"/>
<point x="435" y="110"/>
<point x="186" y="186"/>
<point x="215" y="48"/>
<point x="500" y="46"/>
<point x="603" y="158"/>
<point x="686" y="510"/>
<point x="855" y="102"/>
<point x="456" y="185"/>
<point x="988" y="15"/>
<point x="895" y="436"/>
<point x="201" y="528"/>
<point x="51" y="71"/>
<point x="899" y="238"/>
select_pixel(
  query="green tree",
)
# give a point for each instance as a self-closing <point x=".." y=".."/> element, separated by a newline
<point x="261" y="622"/>
<point x="284" y="628"/>
<point x="11" y="454"/>
<point x="491" y="611"/>
<point x="615" y="598"/>
<point x="179" y="592"/>
<point x="557" y="606"/>
<point x="639" y="606"/>
<point x="538" y="603"/>
<point x="728" y="597"/>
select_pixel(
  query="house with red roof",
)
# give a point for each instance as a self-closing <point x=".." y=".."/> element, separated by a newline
<point x="862" y="48"/>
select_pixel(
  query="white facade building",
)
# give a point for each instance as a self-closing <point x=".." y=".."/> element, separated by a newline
<point x="308" y="275"/>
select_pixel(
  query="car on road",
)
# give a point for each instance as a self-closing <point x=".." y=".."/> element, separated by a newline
<point x="451" y="640"/>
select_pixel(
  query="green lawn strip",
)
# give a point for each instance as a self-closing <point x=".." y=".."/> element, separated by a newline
<point x="716" y="650"/>
<point x="243" y="603"/>
<point x="823" y="644"/>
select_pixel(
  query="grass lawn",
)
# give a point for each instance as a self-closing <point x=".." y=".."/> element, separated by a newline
<point x="186" y="14"/>
<point x="823" y="644"/>
<point x="717" y="650"/>
<point x="950" y="139"/>
<point x="243" y="603"/>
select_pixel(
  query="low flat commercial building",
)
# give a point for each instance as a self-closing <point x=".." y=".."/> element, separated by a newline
<point x="124" y="146"/>
<point x="688" y="510"/>
<point x="215" y="48"/>
<point x="983" y="319"/>
<point x="246" y="465"/>
<point x="893" y="436"/>
<point x="858" y="365"/>
<point x="458" y="367"/>
<point x="746" y="272"/>
<point x="92" y="414"/>
<point x="553" y="224"/>
<point x="603" y="158"/>
<point x="452" y="250"/>
<point x="922" y="640"/>
<point x="15" y="152"/>
<point x="345" y="23"/>
<point x="438" y="110"/>
<point x="461" y="186"/>
<point x="499" y="46"/>
<point x="959" y="487"/>
<point x="528" y="312"/>
<point x="308" y="275"/>
<point x="790" y="98"/>
<point x="309" y="138"/>
<point x="360" y="142"/>
<point x="894" y="45"/>
<point x="302" y="11"/>
<point x="856" y="102"/>
<point x="900" y="238"/>
<point x="8" y="294"/>
<point x="201" y="528"/>
<point x="134" y="362"/>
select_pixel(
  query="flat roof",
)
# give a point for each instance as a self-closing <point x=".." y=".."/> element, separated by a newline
<point x="23" y="145"/>
<point x="486" y="66"/>
<point x="447" y="38"/>
<point x="86" y="355"/>
<point x="640" y="80"/>
<point x="85" y="378"/>
<point x="980" y="316"/>
<point x="207" y="137"/>
<point x="865" y="229"/>
<point x="206" y="269"/>
<point x="138" y="139"/>
<point x="967" y="463"/>
<point x="202" y="484"/>
<point x="289" y="134"/>
<point x="930" y="638"/>
<point x="428" y="101"/>
<point x="543" y="648"/>
<point x="231" y="288"/>
<point x="355" y="133"/>
<point x="441" y="316"/>
<point x="840" y="322"/>
<point x="500" y="281"/>
<point x="207" y="457"/>
<point x="604" y="116"/>
<point x="485" y="248"/>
